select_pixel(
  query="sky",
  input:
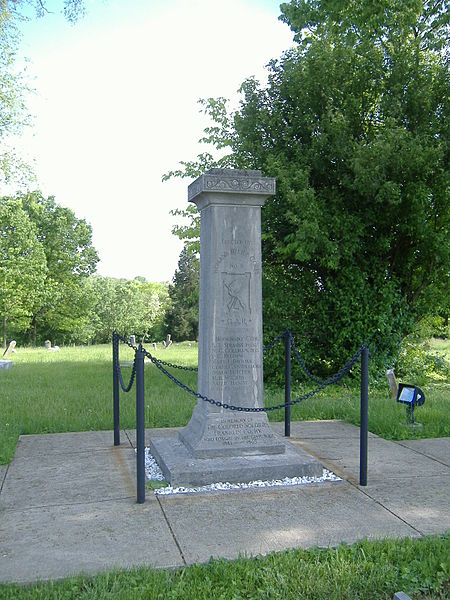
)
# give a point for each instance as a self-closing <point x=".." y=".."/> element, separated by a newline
<point x="116" y="107"/>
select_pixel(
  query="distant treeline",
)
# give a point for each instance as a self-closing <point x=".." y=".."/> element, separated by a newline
<point x="48" y="286"/>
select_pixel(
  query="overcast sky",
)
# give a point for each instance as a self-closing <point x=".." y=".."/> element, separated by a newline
<point x="116" y="106"/>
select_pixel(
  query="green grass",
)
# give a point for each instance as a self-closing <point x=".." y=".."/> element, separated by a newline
<point x="71" y="390"/>
<point x="368" y="569"/>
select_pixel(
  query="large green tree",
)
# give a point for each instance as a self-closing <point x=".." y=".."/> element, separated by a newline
<point x="22" y="264"/>
<point x="130" y="306"/>
<point x="353" y="123"/>
<point x="70" y="258"/>
<point x="182" y="318"/>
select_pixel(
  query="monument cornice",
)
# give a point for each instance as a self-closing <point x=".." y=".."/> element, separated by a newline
<point x="232" y="181"/>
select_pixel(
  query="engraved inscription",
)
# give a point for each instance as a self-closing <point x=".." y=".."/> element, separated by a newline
<point x="235" y="361"/>
<point x="230" y="432"/>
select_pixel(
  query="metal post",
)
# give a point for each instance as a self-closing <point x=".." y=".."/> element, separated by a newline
<point x="364" y="416"/>
<point x="116" y="412"/>
<point x="287" y="383"/>
<point x="140" y="426"/>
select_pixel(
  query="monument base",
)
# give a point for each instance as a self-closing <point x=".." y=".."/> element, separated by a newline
<point x="182" y="469"/>
<point x="217" y="434"/>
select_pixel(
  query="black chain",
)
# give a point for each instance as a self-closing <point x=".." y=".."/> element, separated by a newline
<point x="133" y="375"/>
<point x="168" y="364"/>
<point x="274" y="342"/>
<point x="125" y="341"/>
<point x="187" y="389"/>
<point x="160" y="365"/>
<point x="334" y="378"/>
<point x="182" y="367"/>
<point x="302" y="364"/>
<point x="125" y="388"/>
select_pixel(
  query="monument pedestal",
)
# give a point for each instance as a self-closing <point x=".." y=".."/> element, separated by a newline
<point x="219" y="444"/>
<point x="181" y="469"/>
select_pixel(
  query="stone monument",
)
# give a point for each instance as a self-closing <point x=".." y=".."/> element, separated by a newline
<point x="220" y="444"/>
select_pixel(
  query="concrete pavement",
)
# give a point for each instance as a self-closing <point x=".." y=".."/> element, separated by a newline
<point x="68" y="504"/>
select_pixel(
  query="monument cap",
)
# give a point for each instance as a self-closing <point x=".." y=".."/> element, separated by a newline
<point x="232" y="181"/>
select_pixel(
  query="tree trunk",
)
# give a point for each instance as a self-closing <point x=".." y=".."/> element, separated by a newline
<point x="4" y="331"/>
<point x="33" y="325"/>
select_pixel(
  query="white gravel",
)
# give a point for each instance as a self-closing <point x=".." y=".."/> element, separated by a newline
<point x="153" y="471"/>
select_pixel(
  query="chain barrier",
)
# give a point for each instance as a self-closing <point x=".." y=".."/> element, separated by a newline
<point x="173" y="366"/>
<point x="127" y="388"/>
<point x="302" y="364"/>
<point x="274" y="342"/>
<point x="195" y="369"/>
<point x="168" y="364"/>
<point x="125" y="341"/>
<point x="220" y="404"/>
<point x="334" y="378"/>
<point x="159" y="364"/>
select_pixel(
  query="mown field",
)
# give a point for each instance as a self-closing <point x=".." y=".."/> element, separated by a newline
<point x="71" y="390"/>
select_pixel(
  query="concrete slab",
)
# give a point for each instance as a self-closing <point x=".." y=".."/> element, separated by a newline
<point x="66" y="443"/>
<point x="68" y="504"/>
<point x="423" y="502"/>
<point x="386" y="459"/>
<point x="320" y="429"/>
<point x="261" y="521"/>
<point x="154" y="433"/>
<point x="437" y="448"/>
<point x="60" y="541"/>
<point x="3" y="469"/>
<point x="61" y="479"/>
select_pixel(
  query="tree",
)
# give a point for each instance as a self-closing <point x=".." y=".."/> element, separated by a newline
<point x="14" y="87"/>
<point x="22" y="263"/>
<point x="182" y="319"/>
<point x="13" y="90"/>
<point x="129" y="306"/>
<point x="70" y="258"/>
<point x="353" y="123"/>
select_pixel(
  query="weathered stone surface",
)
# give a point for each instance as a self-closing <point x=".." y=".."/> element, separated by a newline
<point x="230" y="345"/>
<point x="230" y="321"/>
<point x="10" y="349"/>
<point x="183" y="470"/>
<point x="6" y="364"/>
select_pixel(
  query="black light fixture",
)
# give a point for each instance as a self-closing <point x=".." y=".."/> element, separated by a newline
<point x="412" y="396"/>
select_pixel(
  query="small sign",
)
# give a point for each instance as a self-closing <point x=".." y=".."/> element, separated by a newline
<point x="410" y="394"/>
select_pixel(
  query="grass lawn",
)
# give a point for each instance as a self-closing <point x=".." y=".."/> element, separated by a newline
<point x="71" y="390"/>
<point x="366" y="570"/>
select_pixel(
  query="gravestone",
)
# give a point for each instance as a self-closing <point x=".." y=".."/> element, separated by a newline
<point x="132" y="340"/>
<point x="49" y="347"/>
<point x="10" y="349"/>
<point x="393" y="385"/>
<point x="219" y="444"/>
